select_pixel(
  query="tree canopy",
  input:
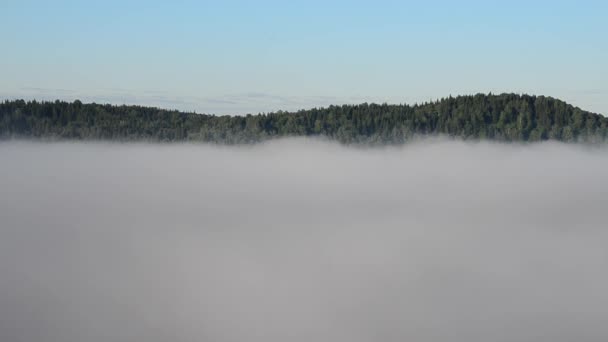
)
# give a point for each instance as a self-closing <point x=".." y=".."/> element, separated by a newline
<point x="505" y="117"/>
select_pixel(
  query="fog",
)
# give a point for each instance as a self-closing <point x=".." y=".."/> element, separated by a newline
<point x="303" y="240"/>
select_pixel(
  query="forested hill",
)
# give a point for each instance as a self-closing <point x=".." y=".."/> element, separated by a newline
<point x="506" y="117"/>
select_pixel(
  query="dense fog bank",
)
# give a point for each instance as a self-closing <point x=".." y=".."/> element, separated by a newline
<point x="302" y="240"/>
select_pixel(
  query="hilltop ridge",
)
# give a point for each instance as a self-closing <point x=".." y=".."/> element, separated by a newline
<point x="504" y="117"/>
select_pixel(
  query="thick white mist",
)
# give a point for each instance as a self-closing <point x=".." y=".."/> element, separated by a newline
<point x="300" y="240"/>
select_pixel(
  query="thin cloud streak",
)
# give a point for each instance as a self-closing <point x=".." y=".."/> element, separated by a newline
<point x="259" y="102"/>
<point x="231" y="104"/>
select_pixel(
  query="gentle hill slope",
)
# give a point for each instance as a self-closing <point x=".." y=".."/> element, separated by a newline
<point x="506" y="117"/>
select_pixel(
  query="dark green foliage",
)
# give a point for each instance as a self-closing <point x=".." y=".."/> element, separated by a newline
<point x="506" y="117"/>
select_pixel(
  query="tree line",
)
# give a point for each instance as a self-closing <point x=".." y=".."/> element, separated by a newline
<point x="505" y="117"/>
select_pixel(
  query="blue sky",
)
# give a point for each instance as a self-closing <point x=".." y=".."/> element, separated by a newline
<point x="249" y="56"/>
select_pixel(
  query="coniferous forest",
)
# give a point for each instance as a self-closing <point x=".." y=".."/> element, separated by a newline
<point x="505" y="117"/>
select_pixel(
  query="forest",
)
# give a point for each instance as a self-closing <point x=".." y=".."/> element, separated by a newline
<point x="504" y="117"/>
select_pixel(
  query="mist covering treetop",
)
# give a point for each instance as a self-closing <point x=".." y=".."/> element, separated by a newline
<point x="505" y="117"/>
